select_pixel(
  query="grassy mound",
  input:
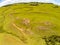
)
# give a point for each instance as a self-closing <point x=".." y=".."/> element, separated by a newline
<point x="30" y="24"/>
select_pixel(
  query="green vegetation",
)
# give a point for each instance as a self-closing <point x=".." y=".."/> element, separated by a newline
<point x="31" y="23"/>
<point x="52" y="40"/>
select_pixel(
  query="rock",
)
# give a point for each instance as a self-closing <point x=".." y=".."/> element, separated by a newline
<point x="43" y="28"/>
<point x="26" y="21"/>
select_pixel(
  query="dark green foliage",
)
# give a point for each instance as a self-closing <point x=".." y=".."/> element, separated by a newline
<point x="8" y="5"/>
<point x="12" y="34"/>
<point x="2" y="30"/>
<point x="52" y="40"/>
<point x="23" y="39"/>
<point x="34" y="4"/>
<point x="49" y="3"/>
<point x="56" y="6"/>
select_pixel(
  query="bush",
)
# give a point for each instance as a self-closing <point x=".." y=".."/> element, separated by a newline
<point x="34" y="4"/>
<point x="56" y="6"/>
<point x="52" y="40"/>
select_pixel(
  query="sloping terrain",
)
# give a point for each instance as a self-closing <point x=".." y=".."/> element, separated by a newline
<point x="30" y="24"/>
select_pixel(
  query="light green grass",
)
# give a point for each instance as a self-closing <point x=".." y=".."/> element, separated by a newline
<point x="36" y="14"/>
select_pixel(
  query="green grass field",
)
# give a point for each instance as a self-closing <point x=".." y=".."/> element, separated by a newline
<point x="30" y="24"/>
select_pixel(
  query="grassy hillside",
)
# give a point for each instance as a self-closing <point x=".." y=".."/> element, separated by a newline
<point x="30" y="24"/>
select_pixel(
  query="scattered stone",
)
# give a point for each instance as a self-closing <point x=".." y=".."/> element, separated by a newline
<point x="48" y="23"/>
<point x="17" y="18"/>
<point x="26" y="21"/>
<point x="43" y="28"/>
<point x="28" y="31"/>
